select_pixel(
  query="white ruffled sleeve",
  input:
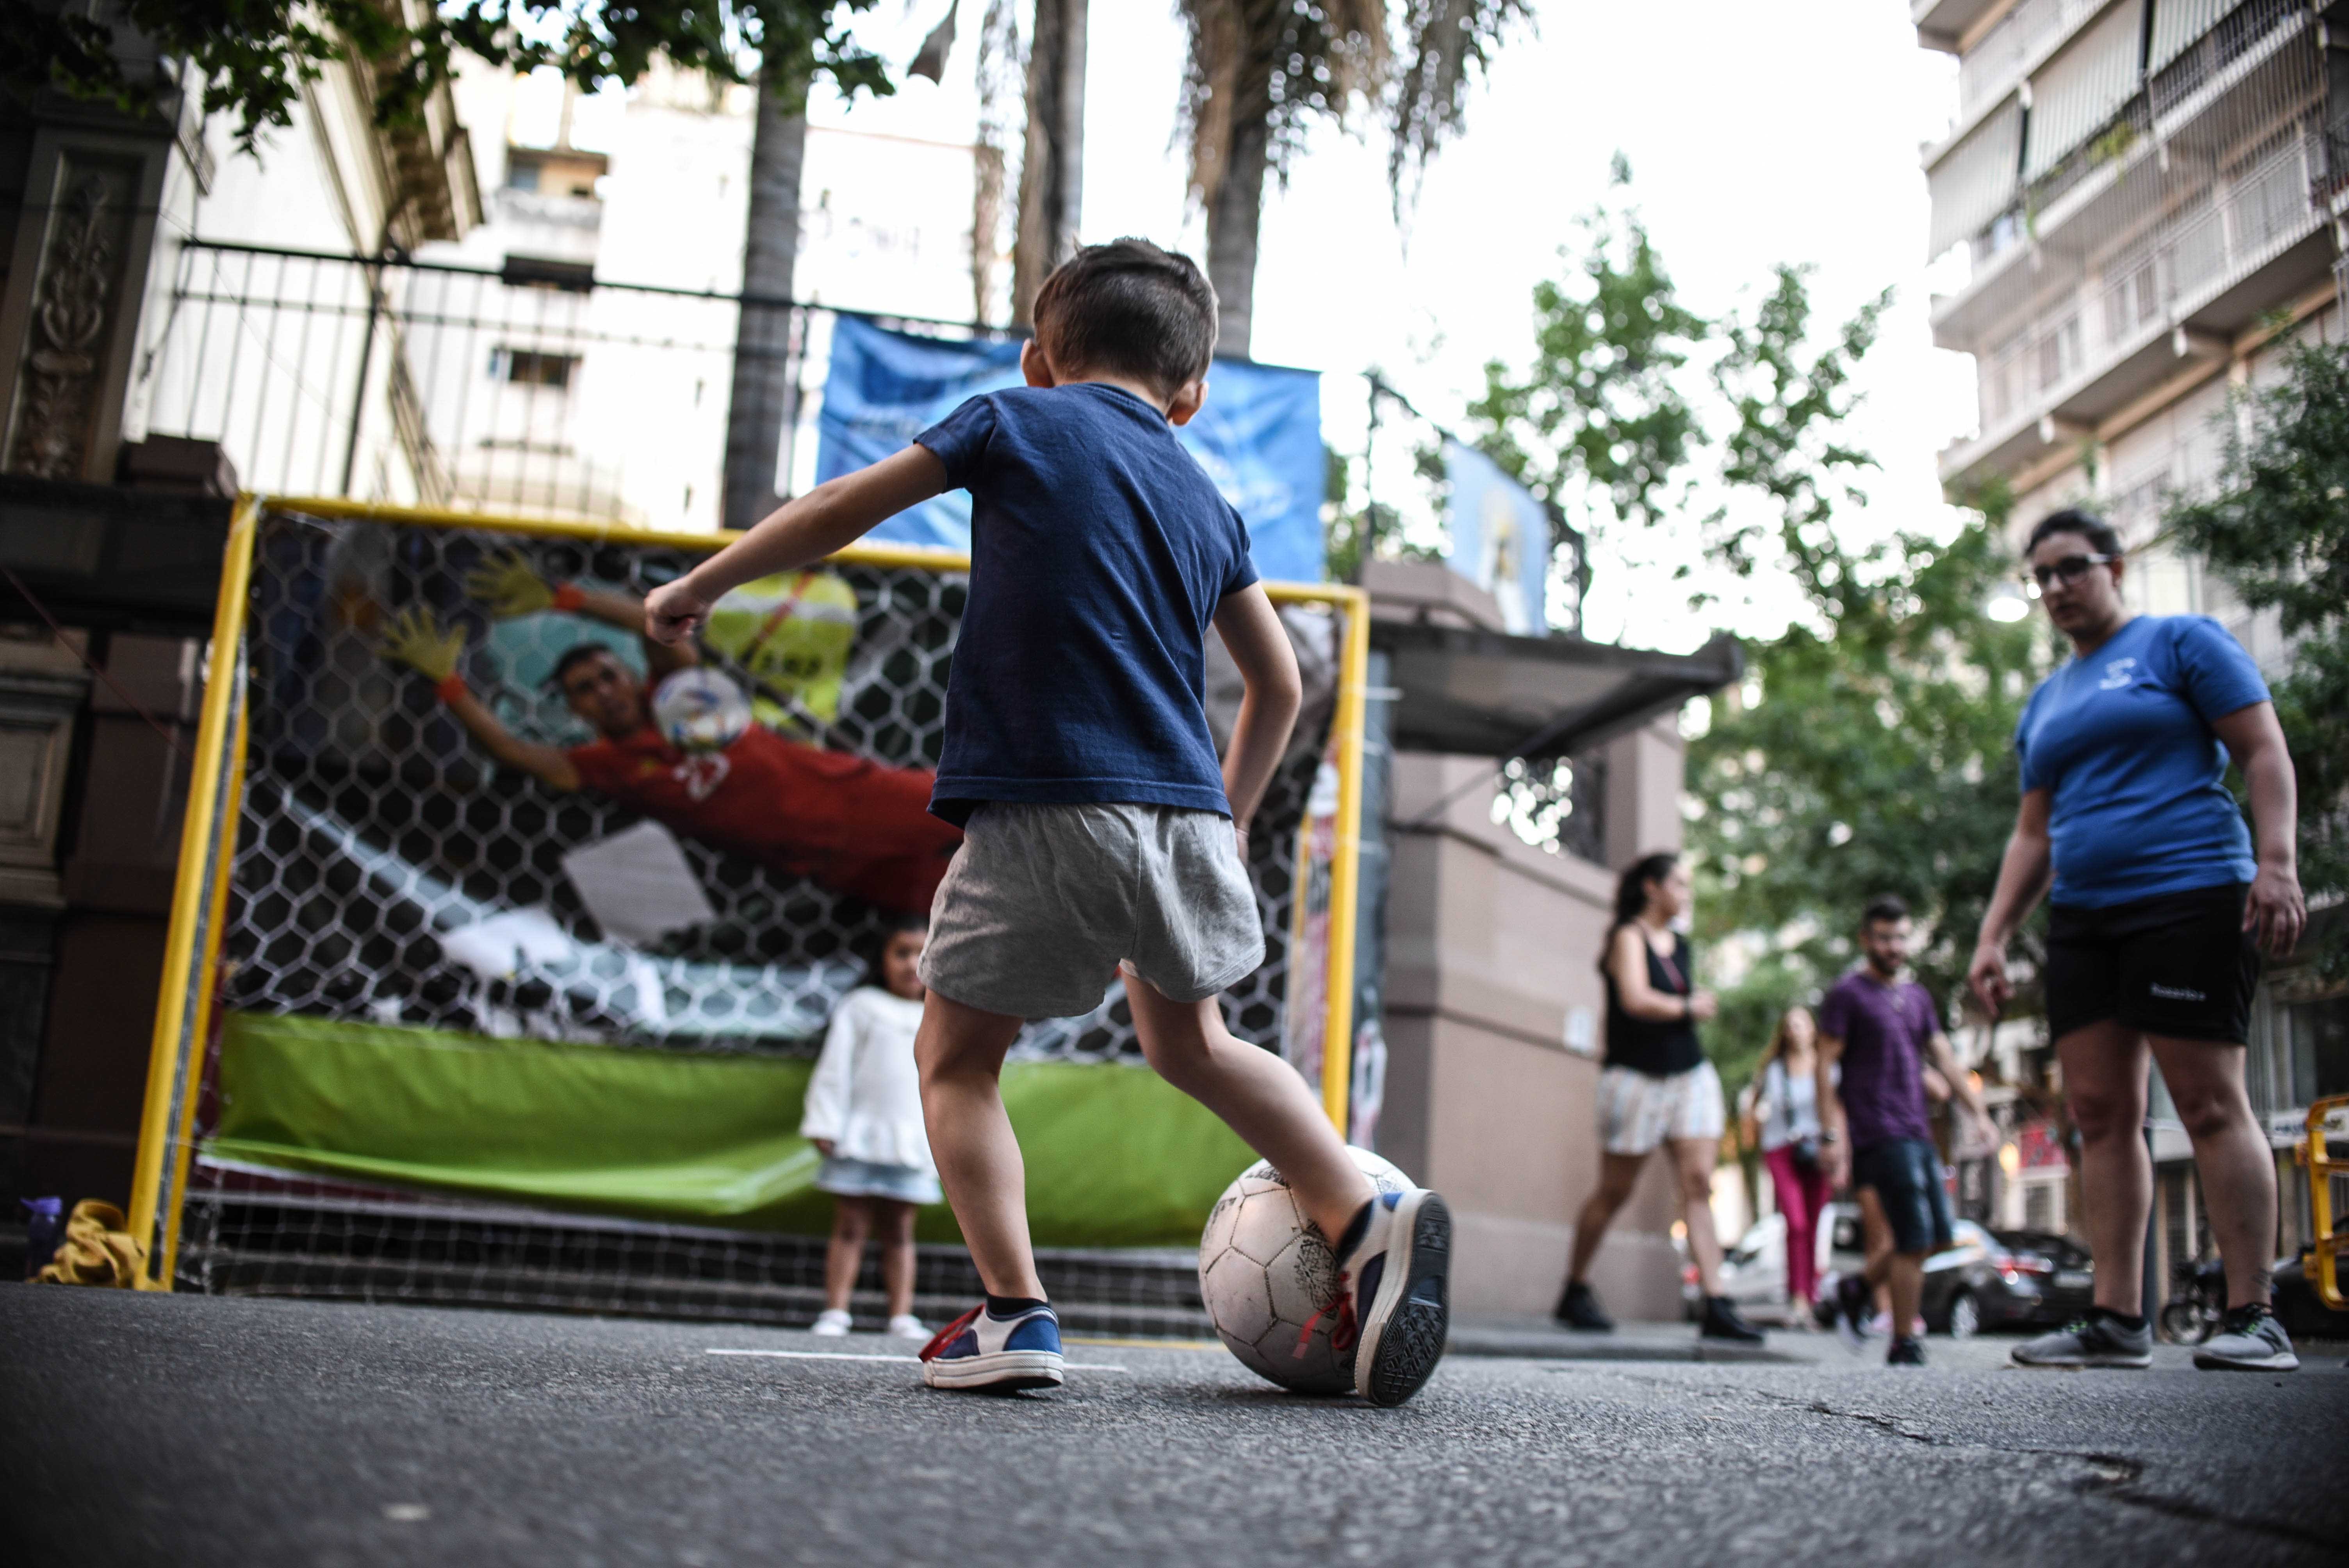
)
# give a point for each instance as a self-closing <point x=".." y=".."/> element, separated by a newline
<point x="827" y="1092"/>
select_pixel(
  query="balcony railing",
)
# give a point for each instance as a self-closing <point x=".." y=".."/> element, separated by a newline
<point x="2249" y="71"/>
<point x="2016" y="42"/>
<point x="2158" y="282"/>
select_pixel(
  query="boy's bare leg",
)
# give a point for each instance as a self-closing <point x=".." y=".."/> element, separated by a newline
<point x="1259" y="1096"/>
<point x="960" y="1052"/>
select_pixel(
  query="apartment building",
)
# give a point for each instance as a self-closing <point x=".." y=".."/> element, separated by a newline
<point x="2152" y="196"/>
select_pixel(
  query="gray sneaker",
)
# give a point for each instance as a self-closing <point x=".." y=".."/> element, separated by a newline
<point x="2095" y="1340"/>
<point x="2250" y="1340"/>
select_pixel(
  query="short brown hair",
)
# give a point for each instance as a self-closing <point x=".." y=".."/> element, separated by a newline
<point x="1128" y="308"/>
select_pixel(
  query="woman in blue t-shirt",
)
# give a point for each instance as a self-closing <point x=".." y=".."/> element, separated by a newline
<point x="2158" y="914"/>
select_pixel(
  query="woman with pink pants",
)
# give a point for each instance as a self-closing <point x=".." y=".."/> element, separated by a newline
<point x="1786" y="1116"/>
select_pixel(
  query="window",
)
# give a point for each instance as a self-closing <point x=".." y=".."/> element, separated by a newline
<point x="561" y="172"/>
<point x="2059" y="353"/>
<point x="531" y="367"/>
<point x="2132" y="297"/>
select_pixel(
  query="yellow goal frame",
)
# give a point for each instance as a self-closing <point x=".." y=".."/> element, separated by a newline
<point x="216" y="794"/>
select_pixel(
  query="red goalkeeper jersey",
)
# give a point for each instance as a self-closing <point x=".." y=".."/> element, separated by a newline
<point x="852" y="824"/>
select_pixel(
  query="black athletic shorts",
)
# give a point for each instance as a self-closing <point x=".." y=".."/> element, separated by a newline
<point x="1907" y="1175"/>
<point x="2179" y="965"/>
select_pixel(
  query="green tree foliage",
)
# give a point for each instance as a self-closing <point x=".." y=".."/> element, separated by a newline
<point x="1601" y="418"/>
<point x="1878" y="758"/>
<point x="253" y="55"/>
<point x="1261" y="73"/>
<point x="2277" y="527"/>
<point x="1869" y="751"/>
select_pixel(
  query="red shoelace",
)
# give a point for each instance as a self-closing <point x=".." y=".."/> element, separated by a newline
<point x="946" y="1336"/>
<point x="1341" y="1331"/>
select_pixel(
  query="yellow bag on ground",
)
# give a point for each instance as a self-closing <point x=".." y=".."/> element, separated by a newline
<point x="96" y="1249"/>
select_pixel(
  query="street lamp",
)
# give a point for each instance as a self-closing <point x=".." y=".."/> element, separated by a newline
<point x="2007" y="603"/>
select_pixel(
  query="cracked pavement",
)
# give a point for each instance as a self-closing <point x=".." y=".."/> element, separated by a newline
<point x="194" y="1431"/>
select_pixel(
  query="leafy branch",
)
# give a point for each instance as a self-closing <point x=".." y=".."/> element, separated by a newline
<point x="253" y="57"/>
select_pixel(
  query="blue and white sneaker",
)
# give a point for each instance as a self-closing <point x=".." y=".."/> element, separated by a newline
<point x="980" y="1350"/>
<point x="1398" y="1274"/>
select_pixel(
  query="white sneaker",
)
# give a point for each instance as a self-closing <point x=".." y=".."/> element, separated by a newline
<point x="906" y="1325"/>
<point x="979" y="1350"/>
<point x="833" y="1325"/>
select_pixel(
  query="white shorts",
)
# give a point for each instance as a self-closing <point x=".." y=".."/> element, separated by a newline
<point x="1637" y="1112"/>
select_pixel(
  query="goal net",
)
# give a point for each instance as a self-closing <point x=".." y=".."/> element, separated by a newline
<point x="518" y="937"/>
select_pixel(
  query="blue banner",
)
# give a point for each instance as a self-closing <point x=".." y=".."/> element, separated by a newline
<point x="1258" y="437"/>
<point x="1500" y="538"/>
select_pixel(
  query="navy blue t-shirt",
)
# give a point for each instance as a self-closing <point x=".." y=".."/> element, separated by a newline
<point x="1099" y="552"/>
<point x="2122" y="739"/>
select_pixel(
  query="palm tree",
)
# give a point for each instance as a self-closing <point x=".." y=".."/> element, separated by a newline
<point x="1260" y="70"/>
<point x="756" y="407"/>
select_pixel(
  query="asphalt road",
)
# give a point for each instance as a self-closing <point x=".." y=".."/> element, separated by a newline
<point x="188" y="1430"/>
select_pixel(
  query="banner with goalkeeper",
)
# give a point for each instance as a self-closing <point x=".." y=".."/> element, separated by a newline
<point x="478" y="801"/>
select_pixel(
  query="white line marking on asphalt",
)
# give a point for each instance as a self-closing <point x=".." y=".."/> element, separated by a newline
<point x="846" y="1356"/>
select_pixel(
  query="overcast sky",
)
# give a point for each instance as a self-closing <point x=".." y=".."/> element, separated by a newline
<point x="1752" y="141"/>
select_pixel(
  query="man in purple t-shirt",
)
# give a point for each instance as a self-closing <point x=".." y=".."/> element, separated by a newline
<point x="1880" y="1028"/>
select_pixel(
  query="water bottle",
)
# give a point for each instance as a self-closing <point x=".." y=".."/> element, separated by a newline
<point x="45" y="1227"/>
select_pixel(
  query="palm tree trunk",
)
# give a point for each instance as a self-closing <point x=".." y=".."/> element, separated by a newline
<point x="761" y="397"/>
<point x="1053" y="170"/>
<point x="1233" y="219"/>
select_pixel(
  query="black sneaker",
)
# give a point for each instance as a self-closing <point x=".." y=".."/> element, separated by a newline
<point x="1400" y="1274"/>
<point x="1579" y="1308"/>
<point x="1721" y="1322"/>
<point x="1852" y="1310"/>
<point x="2250" y="1340"/>
<point x="2097" y="1339"/>
<point x="1905" y="1352"/>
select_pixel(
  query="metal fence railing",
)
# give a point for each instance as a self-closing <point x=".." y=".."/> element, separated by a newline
<point x="535" y="388"/>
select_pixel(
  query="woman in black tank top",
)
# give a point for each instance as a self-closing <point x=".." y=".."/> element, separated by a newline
<point x="1656" y="1091"/>
<point x="1656" y="1047"/>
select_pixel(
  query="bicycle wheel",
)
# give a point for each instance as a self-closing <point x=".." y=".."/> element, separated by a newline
<point x="2185" y="1323"/>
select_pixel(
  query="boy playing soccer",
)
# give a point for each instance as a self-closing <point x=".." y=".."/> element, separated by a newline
<point x="1100" y="833"/>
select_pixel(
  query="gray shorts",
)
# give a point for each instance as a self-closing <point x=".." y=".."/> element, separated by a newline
<point x="1043" y="901"/>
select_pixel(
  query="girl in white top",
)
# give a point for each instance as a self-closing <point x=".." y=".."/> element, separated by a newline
<point x="865" y="1117"/>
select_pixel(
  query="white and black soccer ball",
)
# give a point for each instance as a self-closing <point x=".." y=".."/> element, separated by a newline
<point x="1265" y="1271"/>
<point x="698" y="709"/>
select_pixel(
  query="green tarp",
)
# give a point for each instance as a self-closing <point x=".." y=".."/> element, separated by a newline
<point x="1115" y="1158"/>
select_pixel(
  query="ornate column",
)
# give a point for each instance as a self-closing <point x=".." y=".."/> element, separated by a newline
<point x="68" y="321"/>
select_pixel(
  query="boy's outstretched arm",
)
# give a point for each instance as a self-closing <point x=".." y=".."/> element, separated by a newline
<point x="800" y="532"/>
<point x="1258" y="644"/>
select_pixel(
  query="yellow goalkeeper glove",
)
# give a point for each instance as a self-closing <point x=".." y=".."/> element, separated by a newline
<point x="416" y="639"/>
<point x="510" y="586"/>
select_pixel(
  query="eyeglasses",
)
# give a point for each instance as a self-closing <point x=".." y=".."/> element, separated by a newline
<point x="2067" y="571"/>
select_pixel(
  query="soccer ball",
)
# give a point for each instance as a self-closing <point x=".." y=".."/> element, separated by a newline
<point x="1265" y="1271"/>
<point x="698" y="709"/>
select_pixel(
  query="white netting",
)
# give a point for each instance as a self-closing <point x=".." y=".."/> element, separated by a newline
<point x="389" y="872"/>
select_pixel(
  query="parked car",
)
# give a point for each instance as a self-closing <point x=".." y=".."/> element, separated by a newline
<point x="2044" y="1281"/>
<point x="1986" y="1279"/>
